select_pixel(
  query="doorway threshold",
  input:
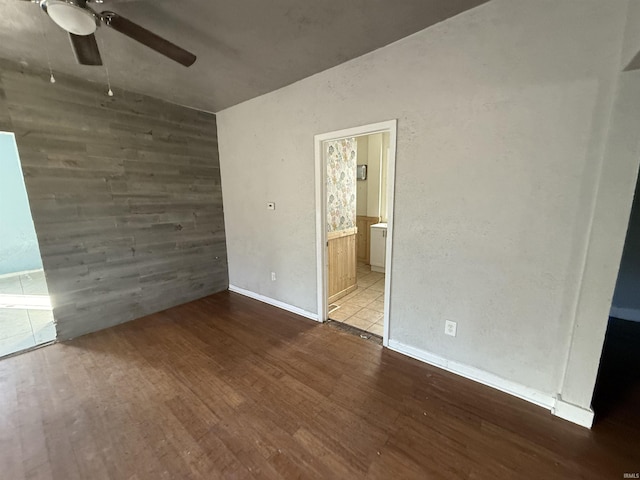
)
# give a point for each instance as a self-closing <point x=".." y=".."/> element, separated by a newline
<point x="350" y="329"/>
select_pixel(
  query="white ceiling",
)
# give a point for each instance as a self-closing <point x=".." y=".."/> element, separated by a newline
<point x="245" y="48"/>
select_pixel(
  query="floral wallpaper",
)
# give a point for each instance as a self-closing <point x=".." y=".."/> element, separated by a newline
<point x="341" y="184"/>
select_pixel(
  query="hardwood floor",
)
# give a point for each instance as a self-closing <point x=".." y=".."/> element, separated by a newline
<point x="227" y="387"/>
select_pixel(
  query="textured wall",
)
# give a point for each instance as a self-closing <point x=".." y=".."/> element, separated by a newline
<point x="18" y="242"/>
<point x="125" y="195"/>
<point x="503" y="115"/>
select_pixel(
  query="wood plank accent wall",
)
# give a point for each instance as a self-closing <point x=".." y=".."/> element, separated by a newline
<point x="125" y="196"/>
<point x="342" y="263"/>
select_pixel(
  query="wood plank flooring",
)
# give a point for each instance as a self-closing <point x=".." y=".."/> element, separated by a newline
<point x="227" y="387"/>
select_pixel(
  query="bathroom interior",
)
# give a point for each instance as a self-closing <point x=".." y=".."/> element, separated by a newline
<point x="357" y="230"/>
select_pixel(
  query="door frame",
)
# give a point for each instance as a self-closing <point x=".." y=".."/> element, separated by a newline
<point x="390" y="126"/>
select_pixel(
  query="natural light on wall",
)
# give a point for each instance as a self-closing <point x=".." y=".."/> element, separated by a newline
<point x="26" y="316"/>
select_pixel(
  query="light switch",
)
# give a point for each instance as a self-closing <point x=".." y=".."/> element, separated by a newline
<point x="271" y="206"/>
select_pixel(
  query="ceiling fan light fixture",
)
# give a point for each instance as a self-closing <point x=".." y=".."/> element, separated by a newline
<point x="71" y="15"/>
<point x="80" y="21"/>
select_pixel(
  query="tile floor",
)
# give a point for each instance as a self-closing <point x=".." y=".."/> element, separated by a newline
<point x="364" y="308"/>
<point x="26" y="318"/>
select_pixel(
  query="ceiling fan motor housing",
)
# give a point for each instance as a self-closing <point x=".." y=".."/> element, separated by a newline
<point x="74" y="16"/>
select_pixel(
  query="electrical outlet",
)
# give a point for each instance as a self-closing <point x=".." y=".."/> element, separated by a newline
<point x="450" y="328"/>
<point x="271" y="205"/>
<point x="273" y="276"/>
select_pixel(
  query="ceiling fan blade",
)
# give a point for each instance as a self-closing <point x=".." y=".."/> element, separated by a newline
<point x="150" y="39"/>
<point x="85" y="49"/>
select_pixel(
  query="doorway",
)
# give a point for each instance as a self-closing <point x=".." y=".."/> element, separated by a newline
<point x="26" y="316"/>
<point x="354" y="232"/>
<point x="617" y="391"/>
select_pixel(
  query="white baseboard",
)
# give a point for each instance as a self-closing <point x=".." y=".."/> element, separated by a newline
<point x="573" y="413"/>
<point x="17" y="274"/>
<point x="275" y="303"/>
<point x="557" y="406"/>
<point x="632" y="314"/>
<point x="521" y="391"/>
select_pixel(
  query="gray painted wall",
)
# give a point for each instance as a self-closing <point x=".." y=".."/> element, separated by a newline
<point x="18" y="242"/>
<point x="609" y="201"/>
<point x="626" y="297"/>
<point x="503" y="118"/>
<point x="125" y="195"/>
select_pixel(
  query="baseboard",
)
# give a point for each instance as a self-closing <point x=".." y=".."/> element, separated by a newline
<point x="17" y="274"/>
<point x="517" y="390"/>
<point x="343" y="293"/>
<point x="632" y="314"/>
<point x="275" y="303"/>
<point x="573" y="413"/>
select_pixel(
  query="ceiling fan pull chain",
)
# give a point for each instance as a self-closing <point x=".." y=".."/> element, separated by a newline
<point x="106" y="69"/>
<point x="52" y="79"/>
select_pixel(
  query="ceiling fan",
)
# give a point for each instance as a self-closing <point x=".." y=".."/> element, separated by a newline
<point x="81" y="22"/>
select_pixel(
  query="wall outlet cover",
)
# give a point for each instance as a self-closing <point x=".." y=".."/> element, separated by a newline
<point x="450" y="328"/>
